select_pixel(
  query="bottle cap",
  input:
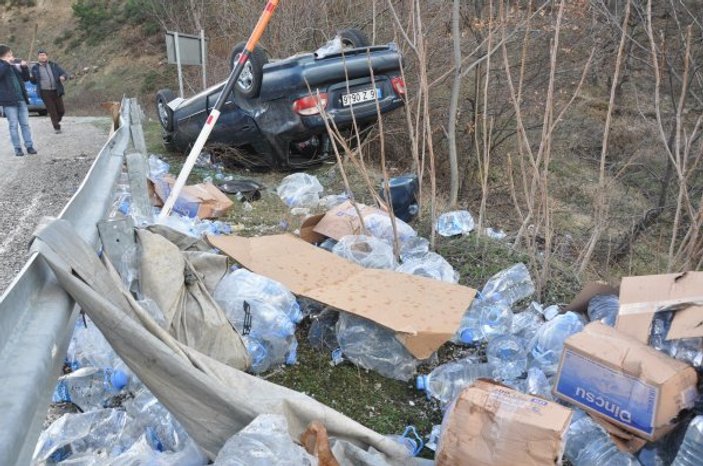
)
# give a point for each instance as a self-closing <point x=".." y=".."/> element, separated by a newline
<point x="119" y="379"/>
<point x="466" y="336"/>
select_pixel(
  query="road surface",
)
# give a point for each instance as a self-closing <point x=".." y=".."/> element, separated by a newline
<point x="34" y="186"/>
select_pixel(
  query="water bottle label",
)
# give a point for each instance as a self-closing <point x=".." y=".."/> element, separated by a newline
<point x="624" y="399"/>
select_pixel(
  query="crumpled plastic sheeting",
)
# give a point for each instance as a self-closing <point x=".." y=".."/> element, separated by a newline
<point x="264" y="442"/>
<point x="212" y="401"/>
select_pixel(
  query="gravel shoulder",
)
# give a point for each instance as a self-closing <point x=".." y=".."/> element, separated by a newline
<point x="34" y="186"/>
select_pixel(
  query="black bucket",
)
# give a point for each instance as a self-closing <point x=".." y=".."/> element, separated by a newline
<point x="403" y="189"/>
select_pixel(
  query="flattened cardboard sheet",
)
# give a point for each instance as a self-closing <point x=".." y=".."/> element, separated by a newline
<point x="424" y="313"/>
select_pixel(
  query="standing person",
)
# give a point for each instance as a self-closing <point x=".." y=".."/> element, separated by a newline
<point x="49" y="77"/>
<point x="13" y="99"/>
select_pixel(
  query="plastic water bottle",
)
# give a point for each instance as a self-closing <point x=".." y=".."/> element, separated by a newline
<point x="538" y="384"/>
<point x="588" y="444"/>
<point x="431" y="265"/>
<point x="507" y="355"/>
<point x="689" y="350"/>
<point x="496" y="318"/>
<point x="410" y="440"/>
<point x="691" y="451"/>
<point x="548" y="343"/>
<point x="526" y="323"/>
<point x="445" y="382"/>
<point x="414" y="248"/>
<point x="257" y="354"/>
<point x="322" y="330"/>
<point x="512" y="284"/>
<point x="604" y="308"/>
<point x="245" y="285"/>
<point x="374" y="347"/>
<point x="458" y="222"/>
<point x="266" y="324"/>
<point x="470" y="332"/>
<point x="380" y="226"/>
<point x="367" y="251"/>
<point x="300" y="190"/>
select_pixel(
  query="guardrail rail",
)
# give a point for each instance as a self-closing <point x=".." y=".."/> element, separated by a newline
<point x="37" y="317"/>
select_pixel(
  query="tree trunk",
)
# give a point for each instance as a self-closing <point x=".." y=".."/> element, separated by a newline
<point x="453" y="107"/>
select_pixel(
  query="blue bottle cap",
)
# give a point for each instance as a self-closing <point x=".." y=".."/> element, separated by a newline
<point x="119" y="379"/>
<point x="466" y="336"/>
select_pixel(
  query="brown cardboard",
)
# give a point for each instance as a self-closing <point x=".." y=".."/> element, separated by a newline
<point x="624" y="440"/>
<point x="641" y="297"/>
<point x="307" y="232"/>
<point x="424" y="313"/>
<point x="612" y="375"/>
<point x="490" y="424"/>
<point x="343" y="220"/>
<point x="203" y="200"/>
<point x="580" y="301"/>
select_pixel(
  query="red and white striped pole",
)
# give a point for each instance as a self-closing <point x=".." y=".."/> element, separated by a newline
<point x="215" y="113"/>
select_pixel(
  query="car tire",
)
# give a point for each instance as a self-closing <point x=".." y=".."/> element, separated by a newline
<point x="249" y="82"/>
<point x="353" y="38"/>
<point x="163" y="111"/>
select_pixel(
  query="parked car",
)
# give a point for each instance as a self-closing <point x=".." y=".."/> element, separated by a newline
<point x="273" y="112"/>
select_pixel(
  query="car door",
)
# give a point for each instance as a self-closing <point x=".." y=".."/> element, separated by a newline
<point x="234" y="127"/>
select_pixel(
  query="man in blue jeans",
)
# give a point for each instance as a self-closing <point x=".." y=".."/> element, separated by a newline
<point x="13" y="99"/>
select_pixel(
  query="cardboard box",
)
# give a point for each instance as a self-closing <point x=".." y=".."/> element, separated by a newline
<point x="343" y="220"/>
<point x="642" y="297"/>
<point x="614" y="376"/>
<point x="424" y="313"/>
<point x="202" y="200"/>
<point x="490" y="424"/>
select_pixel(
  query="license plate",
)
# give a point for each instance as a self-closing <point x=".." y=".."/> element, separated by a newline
<point x="360" y="96"/>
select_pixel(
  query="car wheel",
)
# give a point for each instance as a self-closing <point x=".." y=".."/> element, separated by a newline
<point x="249" y="82"/>
<point x="353" y="38"/>
<point x="163" y="111"/>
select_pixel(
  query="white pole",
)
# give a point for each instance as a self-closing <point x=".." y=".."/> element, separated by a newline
<point x="190" y="163"/>
<point x="178" y="62"/>
<point x="203" y="57"/>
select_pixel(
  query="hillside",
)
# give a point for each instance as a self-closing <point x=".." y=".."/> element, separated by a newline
<point x="104" y="65"/>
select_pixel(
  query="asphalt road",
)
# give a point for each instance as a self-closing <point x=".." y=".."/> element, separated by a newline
<point x="34" y="186"/>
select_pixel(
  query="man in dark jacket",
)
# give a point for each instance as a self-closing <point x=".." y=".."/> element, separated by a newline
<point x="49" y="78"/>
<point x="13" y="99"/>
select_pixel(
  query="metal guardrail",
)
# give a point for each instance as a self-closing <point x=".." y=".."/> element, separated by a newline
<point x="37" y="316"/>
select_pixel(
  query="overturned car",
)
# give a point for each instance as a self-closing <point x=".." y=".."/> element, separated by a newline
<point x="275" y="113"/>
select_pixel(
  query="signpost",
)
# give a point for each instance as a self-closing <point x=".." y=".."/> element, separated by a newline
<point x="186" y="49"/>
